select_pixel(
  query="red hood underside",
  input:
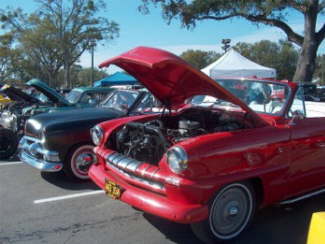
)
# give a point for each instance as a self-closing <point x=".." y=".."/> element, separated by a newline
<point x="171" y="79"/>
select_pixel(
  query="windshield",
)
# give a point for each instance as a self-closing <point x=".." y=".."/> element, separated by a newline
<point x="37" y="94"/>
<point x="73" y="96"/>
<point x="121" y="100"/>
<point x="260" y="96"/>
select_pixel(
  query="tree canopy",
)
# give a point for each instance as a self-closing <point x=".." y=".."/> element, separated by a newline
<point x="268" y="12"/>
<point x="199" y="59"/>
<point x="56" y="34"/>
<point x="280" y="55"/>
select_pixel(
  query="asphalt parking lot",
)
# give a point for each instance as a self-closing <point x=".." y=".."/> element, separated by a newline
<point x="47" y="208"/>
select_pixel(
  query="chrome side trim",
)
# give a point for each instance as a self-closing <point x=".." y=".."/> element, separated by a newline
<point x="33" y="139"/>
<point x="309" y="195"/>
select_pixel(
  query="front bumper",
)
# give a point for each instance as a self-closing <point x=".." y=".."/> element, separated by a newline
<point x="32" y="153"/>
<point x="148" y="201"/>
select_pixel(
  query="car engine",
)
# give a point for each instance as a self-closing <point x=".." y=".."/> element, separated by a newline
<point x="150" y="140"/>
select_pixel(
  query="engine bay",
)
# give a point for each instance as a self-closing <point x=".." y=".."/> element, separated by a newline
<point x="148" y="141"/>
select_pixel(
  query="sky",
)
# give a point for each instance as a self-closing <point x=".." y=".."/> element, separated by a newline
<point x="152" y="30"/>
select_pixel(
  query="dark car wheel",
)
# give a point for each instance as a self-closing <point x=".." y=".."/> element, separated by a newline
<point x="230" y="213"/>
<point x="78" y="162"/>
<point x="8" y="143"/>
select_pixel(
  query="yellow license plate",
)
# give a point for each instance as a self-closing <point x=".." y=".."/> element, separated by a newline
<point x="112" y="189"/>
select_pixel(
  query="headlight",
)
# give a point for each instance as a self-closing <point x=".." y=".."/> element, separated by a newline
<point x="97" y="134"/>
<point x="177" y="159"/>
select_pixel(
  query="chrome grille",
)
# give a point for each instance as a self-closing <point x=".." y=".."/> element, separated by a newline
<point x="123" y="162"/>
<point x="127" y="167"/>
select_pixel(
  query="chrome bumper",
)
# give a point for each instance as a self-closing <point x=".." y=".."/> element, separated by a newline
<point x="30" y="147"/>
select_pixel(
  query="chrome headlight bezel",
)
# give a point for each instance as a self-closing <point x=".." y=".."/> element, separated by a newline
<point x="177" y="159"/>
<point x="97" y="134"/>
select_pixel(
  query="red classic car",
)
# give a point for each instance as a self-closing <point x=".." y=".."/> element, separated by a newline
<point x="211" y="158"/>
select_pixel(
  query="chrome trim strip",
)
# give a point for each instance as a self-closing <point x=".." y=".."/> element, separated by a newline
<point x="133" y="165"/>
<point x="123" y="164"/>
<point x="117" y="159"/>
<point x="111" y="156"/>
<point x="293" y="200"/>
<point x="32" y="139"/>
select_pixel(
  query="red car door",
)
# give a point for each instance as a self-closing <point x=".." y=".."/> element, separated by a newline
<point x="307" y="168"/>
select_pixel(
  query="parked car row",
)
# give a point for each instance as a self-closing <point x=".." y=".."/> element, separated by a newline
<point x="189" y="149"/>
<point x="61" y="140"/>
<point x="41" y="99"/>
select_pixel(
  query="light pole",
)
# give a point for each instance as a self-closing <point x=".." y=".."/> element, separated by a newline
<point x="92" y="49"/>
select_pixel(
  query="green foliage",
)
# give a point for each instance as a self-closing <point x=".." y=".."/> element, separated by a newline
<point x="57" y="34"/>
<point x="82" y="76"/>
<point x="282" y="56"/>
<point x="189" y="12"/>
<point x="267" y="12"/>
<point x="8" y="58"/>
<point x="199" y="59"/>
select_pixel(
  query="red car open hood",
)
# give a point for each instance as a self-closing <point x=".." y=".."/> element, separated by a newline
<point x="171" y="79"/>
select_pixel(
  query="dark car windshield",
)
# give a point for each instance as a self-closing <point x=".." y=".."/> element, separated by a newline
<point x="40" y="96"/>
<point x="121" y="100"/>
<point x="73" y="96"/>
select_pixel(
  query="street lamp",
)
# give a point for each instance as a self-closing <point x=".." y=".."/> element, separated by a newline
<point x="92" y="49"/>
<point x="226" y="44"/>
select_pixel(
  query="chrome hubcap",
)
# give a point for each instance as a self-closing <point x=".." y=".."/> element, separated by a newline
<point x="83" y="162"/>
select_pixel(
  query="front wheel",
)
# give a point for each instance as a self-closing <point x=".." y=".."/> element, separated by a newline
<point x="230" y="213"/>
<point x="78" y="162"/>
<point x="8" y="143"/>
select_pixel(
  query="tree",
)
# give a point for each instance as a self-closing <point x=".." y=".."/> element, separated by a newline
<point x="282" y="56"/>
<point x="199" y="59"/>
<point x="8" y="58"/>
<point x="82" y="76"/>
<point x="59" y="32"/>
<point x="269" y="12"/>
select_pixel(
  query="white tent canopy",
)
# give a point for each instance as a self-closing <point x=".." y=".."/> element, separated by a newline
<point x="235" y="65"/>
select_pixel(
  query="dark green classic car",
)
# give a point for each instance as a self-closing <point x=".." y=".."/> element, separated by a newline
<point x="61" y="141"/>
<point x="41" y="99"/>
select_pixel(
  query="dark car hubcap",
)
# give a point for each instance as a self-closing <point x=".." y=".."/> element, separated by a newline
<point x="230" y="211"/>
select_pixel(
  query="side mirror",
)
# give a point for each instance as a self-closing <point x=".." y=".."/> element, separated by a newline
<point x="296" y="116"/>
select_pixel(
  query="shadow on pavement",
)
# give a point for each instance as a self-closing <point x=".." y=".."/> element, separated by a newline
<point x="276" y="224"/>
<point x="178" y="233"/>
<point x="59" y="179"/>
<point x="13" y="158"/>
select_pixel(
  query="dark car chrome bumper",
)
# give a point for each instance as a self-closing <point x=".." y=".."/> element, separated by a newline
<point x="30" y="147"/>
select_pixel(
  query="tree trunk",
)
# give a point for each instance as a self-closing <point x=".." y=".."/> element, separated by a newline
<point x="307" y="60"/>
<point x="306" y="63"/>
<point x="67" y="79"/>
